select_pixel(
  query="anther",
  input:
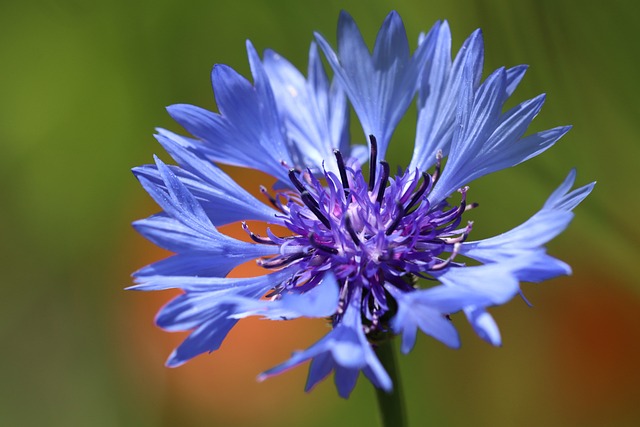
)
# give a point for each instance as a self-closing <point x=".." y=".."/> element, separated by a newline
<point x="320" y="246"/>
<point x="269" y="197"/>
<point x="397" y="219"/>
<point x="461" y="238"/>
<point x="467" y="231"/>
<point x="255" y="237"/>
<point x="426" y="184"/>
<point x="342" y="301"/>
<point x="342" y="169"/>
<point x="463" y="201"/>
<point x="436" y="172"/>
<point x="445" y="263"/>
<point x="350" y="230"/>
<point x="372" y="161"/>
<point x="471" y="206"/>
<point x="280" y="261"/>
<point x="313" y="207"/>
<point x="295" y="181"/>
<point x="383" y="181"/>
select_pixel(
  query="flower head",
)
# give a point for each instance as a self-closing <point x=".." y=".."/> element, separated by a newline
<point x="359" y="241"/>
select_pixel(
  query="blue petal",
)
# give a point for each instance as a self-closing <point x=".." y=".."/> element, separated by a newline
<point x="513" y="124"/>
<point x="391" y="43"/>
<point x="321" y="301"/>
<point x="486" y="141"/>
<point x="563" y="200"/>
<point x="544" y="267"/>
<point x="174" y="236"/>
<point x="514" y="76"/>
<point x="476" y="119"/>
<point x="435" y="75"/>
<point x="205" y="310"/>
<point x="207" y="314"/>
<point x="176" y="200"/>
<point x="207" y="338"/>
<point x="211" y="284"/>
<point x="379" y="86"/>
<point x="429" y="321"/>
<point x="247" y="132"/>
<point x="345" y="350"/>
<point x="484" y="325"/>
<point x="190" y="311"/>
<point x="471" y="56"/>
<point x="345" y="380"/>
<point x="184" y="227"/>
<point x="501" y="287"/>
<point x="427" y="310"/>
<point x="320" y="367"/>
<point x="336" y="102"/>
<point x="378" y="376"/>
<point x="189" y="263"/>
<point x="315" y="113"/>
<point x="442" y="84"/>
<point x="523" y="150"/>
<point x="547" y="223"/>
<point x="221" y="197"/>
<point x="194" y="307"/>
<point x="493" y="284"/>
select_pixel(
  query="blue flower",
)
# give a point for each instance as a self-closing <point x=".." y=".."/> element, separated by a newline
<point x="358" y="242"/>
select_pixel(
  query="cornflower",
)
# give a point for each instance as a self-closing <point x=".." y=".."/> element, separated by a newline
<point x="377" y="254"/>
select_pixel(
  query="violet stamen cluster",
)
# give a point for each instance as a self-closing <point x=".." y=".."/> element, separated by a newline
<point x="369" y="233"/>
<point x="378" y="254"/>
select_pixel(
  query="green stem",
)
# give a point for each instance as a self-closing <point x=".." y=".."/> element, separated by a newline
<point x="391" y="404"/>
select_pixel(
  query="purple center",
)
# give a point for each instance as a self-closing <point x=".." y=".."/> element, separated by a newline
<point x="369" y="233"/>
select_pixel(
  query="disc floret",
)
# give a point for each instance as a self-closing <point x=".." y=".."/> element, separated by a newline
<point x="370" y="233"/>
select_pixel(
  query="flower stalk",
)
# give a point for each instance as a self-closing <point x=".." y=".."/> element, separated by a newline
<point x="391" y="404"/>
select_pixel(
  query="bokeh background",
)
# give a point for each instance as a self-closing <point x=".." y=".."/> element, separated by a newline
<point x="83" y="84"/>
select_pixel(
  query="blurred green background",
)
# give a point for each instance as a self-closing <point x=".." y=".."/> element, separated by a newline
<point x="83" y="86"/>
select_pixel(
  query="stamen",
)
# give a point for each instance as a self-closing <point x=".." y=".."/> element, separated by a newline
<point x="467" y="231"/>
<point x="271" y="199"/>
<point x="397" y="219"/>
<point x="383" y="181"/>
<point x="284" y="164"/>
<point x="426" y="183"/>
<point x="342" y="301"/>
<point x="320" y="246"/>
<point x="445" y="263"/>
<point x="464" y="233"/>
<point x="307" y="175"/>
<point x="350" y="230"/>
<point x="314" y="207"/>
<point x="255" y="237"/>
<point x="278" y="240"/>
<point x="453" y="215"/>
<point x="275" y="291"/>
<point x="280" y="261"/>
<point x="436" y="173"/>
<point x="471" y="206"/>
<point x="295" y="181"/>
<point x="463" y="201"/>
<point x="372" y="161"/>
<point x="375" y="320"/>
<point x="343" y="170"/>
